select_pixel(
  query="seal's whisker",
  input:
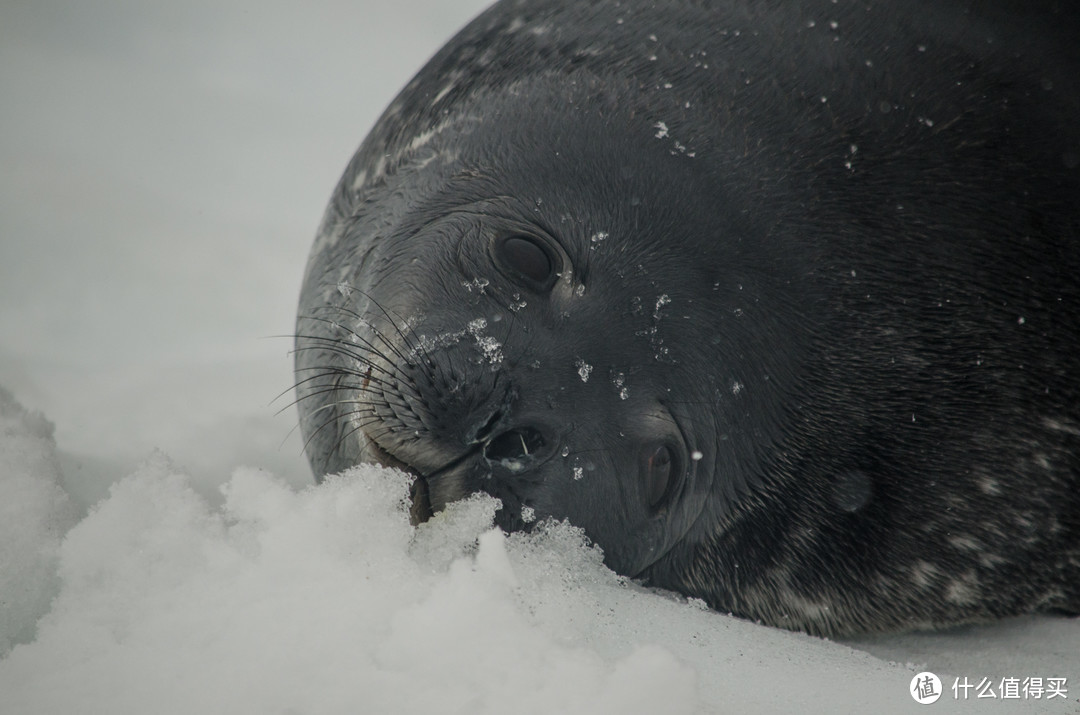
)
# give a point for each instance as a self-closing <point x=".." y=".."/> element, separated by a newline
<point x="367" y="324"/>
<point x="326" y="391"/>
<point x="332" y="345"/>
<point x="330" y="405"/>
<point x="390" y="371"/>
<point x="373" y="437"/>
<point x="366" y="343"/>
<point x="417" y="347"/>
<point x="327" y="373"/>
<point x="317" y="431"/>
<point x="333" y="420"/>
<point x="289" y="434"/>
<point x="344" y="349"/>
<point x="365" y="375"/>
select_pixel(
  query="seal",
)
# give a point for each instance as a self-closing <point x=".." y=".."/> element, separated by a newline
<point x="778" y="302"/>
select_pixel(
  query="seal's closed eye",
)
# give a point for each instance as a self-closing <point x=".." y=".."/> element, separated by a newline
<point x="526" y="259"/>
<point x="658" y="466"/>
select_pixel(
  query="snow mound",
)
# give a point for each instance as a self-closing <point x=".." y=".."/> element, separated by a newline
<point x="328" y="600"/>
<point x="325" y="599"/>
<point x="34" y="514"/>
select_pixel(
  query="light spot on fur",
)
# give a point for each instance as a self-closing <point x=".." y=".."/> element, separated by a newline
<point x="990" y="560"/>
<point x="328" y="236"/>
<point x="989" y="485"/>
<point x="964" y="590"/>
<point x="993" y="531"/>
<point x="965" y="543"/>
<point x="809" y="610"/>
<point x="1058" y="426"/>
<point x="443" y="92"/>
<point x="1051" y="598"/>
<point x="424" y="137"/>
<point x="923" y="574"/>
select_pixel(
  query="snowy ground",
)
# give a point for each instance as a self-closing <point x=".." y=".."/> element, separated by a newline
<point x="162" y="171"/>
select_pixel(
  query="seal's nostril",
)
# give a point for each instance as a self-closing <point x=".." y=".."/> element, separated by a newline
<point x="514" y="444"/>
<point x="482" y="434"/>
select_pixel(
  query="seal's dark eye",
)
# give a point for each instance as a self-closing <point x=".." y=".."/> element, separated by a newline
<point x="527" y="257"/>
<point x="657" y="472"/>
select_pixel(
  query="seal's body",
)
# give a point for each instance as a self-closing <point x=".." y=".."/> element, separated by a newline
<point x="778" y="301"/>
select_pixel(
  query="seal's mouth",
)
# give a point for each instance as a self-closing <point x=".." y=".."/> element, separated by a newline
<point x="449" y="478"/>
<point x="512" y="453"/>
<point x="420" y="510"/>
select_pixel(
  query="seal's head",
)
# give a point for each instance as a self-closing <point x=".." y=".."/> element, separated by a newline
<point x="775" y="311"/>
<point x="531" y="307"/>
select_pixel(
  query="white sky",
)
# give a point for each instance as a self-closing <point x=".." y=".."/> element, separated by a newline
<point x="163" y="167"/>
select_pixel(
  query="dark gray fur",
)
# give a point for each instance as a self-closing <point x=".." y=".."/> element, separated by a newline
<point x="826" y="253"/>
